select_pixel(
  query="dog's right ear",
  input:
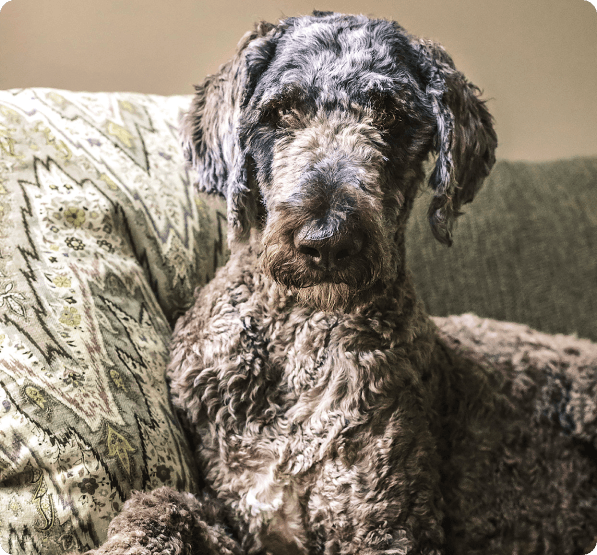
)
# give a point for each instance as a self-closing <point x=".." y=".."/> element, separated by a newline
<point x="210" y="129"/>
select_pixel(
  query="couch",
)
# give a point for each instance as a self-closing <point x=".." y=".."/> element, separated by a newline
<point x="102" y="244"/>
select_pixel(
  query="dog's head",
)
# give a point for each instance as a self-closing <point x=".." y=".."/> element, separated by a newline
<point x="316" y="133"/>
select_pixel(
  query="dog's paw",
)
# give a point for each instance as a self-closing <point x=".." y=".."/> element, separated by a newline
<point x="167" y="522"/>
<point x="138" y="543"/>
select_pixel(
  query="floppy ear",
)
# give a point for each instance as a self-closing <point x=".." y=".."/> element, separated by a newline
<point x="465" y="140"/>
<point x="210" y="129"/>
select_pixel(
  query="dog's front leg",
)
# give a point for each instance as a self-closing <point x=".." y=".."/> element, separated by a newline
<point x="168" y="522"/>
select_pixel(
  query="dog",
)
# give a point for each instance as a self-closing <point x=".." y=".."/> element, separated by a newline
<point x="329" y="414"/>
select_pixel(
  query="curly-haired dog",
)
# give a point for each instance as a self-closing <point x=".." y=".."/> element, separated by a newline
<point x="330" y="415"/>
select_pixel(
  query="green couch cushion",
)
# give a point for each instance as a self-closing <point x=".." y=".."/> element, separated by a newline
<point x="524" y="251"/>
<point x="102" y="243"/>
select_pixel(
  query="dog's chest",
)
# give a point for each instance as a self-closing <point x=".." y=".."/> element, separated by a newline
<point x="305" y="354"/>
<point x="270" y="429"/>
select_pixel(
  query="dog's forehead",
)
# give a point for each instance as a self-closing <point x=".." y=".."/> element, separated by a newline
<point x="338" y="57"/>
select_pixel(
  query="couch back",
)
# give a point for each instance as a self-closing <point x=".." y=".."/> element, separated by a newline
<point x="524" y="251"/>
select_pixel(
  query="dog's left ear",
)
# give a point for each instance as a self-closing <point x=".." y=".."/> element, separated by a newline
<point x="465" y="140"/>
<point x="210" y="129"/>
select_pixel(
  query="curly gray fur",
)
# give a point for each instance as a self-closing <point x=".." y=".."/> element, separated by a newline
<point x="330" y="415"/>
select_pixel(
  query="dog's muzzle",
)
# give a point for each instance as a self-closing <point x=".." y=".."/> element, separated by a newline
<point x="324" y="240"/>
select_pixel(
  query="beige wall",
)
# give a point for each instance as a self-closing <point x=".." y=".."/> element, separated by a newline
<point x="535" y="59"/>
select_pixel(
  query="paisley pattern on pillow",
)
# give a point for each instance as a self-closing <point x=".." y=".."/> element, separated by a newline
<point x="102" y="243"/>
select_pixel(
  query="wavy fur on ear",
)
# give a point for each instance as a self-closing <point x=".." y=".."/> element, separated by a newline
<point x="210" y="129"/>
<point x="465" y="140"/>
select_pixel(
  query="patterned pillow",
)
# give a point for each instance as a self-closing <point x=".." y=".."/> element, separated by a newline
<point x="102" y="243"/>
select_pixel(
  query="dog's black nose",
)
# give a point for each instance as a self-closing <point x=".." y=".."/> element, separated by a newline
<point x="327" y="249"/>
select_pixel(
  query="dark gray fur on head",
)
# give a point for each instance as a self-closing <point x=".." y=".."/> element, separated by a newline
<point x="299" y="58"/>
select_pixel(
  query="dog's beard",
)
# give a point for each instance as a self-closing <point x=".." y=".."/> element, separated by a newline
<point x="326" y="296"/>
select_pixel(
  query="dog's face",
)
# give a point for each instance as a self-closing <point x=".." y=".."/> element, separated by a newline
<point x="337" y="145"/>
<point x="317" y="132"/>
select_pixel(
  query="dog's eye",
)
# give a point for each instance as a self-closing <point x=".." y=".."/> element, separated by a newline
<point x="287" y="117"/>
<point x="276" y="116"/>
<point x="386" y="115"/>
<point x="387" y="121"/>
<point x="388" y="118"/>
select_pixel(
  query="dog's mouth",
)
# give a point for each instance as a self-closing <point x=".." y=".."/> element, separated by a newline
<point x="332" y="294"/>
<point x="330" y="277"/>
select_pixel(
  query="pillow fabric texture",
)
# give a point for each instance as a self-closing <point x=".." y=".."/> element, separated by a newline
<point x="524" y="251"/>
<point x="102" y="243"/>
